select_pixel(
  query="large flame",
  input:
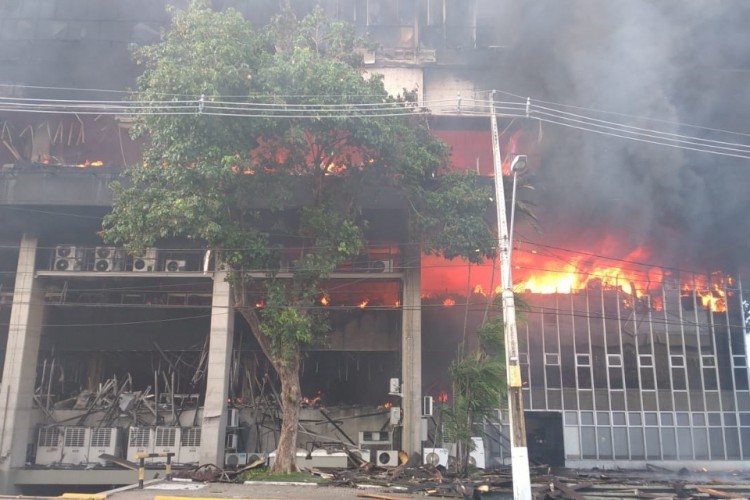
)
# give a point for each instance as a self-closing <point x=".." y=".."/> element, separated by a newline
<point x="541" y="270"/>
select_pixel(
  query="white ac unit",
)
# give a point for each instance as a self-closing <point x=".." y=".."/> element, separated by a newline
<point x="146" y="263"/>
<point x="235" y="459"/>
<point x="436" y="456"/>
<point x="104" y="441"/>
<point x="67" y="258"/>
<point x="107" y="259"/>
<point x="49" y="445"/>
<point x="167" y="440"/>
<point x="386" y="458"/>
<point x="140" y="440"/>
<point x="370" y="440"/>
<point x="477" y="455"/>
<point x="190" y="445"/>
<point x="233" y="419"/>
<point x="174" y="266"/>
<point x="381" y="266"/>
<point x="76" y="441"/>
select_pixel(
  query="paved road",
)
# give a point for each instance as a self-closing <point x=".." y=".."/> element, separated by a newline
<point x="254" y="491"/>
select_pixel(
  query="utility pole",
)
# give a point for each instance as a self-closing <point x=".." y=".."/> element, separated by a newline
<point x="519" y="451"/>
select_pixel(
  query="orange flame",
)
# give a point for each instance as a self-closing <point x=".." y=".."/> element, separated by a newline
<point x="364" y="303"/>
<point x="87" y="163"/>
<point x="449" y="302"/>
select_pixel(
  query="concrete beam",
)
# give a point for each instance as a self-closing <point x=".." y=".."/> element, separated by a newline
<point x="411" y="353"/>
<point x="217" y="377"/>
<point x="19" y="372"/>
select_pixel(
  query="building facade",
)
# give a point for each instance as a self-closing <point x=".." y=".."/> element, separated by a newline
<point x="611" y="378"/>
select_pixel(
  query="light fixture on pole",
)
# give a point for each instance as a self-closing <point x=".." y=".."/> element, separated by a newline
<point x="519" y="451"/>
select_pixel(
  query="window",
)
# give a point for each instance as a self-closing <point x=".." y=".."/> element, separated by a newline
<point x="677" y="360"/>
<point x="583" y="360"/>
<point x="551" y="358"/>
<point x="646" y="360"/>
<point x="614" y="359"/>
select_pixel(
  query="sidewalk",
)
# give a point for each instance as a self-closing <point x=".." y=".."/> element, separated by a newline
<point x="177" y="490"/>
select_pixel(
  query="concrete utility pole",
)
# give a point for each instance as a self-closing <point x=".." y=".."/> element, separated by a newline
<point x="519" y="452"/>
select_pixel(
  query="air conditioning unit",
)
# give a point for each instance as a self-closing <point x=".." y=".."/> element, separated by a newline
<point x="190" y="445"/>
<point x="49" y="445"/>
<point x="477" y="456"/>
<point x="375" y="440"/>
<point x="436" y="456"/>
<point x="233" y="419"/>
<point x="381" y="266"/>
<point x="140" y="440"/>
<point x="167" y="440"/>
<point x="107" y="259"/>
<point x="146" y="263"/>
<point x="104" y="441"/>
<point x="235" y="459"/>
<point x="67" y="258"/>
<point x="174" y="266"/>
<point x="386" y="458"/>
<point x="76" y="441"/>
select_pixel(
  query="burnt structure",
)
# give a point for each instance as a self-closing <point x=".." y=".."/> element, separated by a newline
<point x="98" y="339"/>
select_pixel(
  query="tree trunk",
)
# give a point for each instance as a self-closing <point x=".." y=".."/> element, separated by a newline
<point x="286" y="452"/>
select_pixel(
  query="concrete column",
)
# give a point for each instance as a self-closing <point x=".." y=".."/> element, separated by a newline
<point x="214" y="424"/>
<point x="19" y="372"/>
<point x="411" y="353"/>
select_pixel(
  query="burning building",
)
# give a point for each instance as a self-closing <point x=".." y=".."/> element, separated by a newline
<point x="627" y="356"/>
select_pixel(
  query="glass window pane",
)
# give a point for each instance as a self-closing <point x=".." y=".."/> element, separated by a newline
<point x="637" y="450"/>
<point x="669" y="442"/>
<point x="605" y="442"/>
<point x="653" y="444"/>
<point x="635" y="418"/>
<point x="685" y="440"/>
<point x="571" y="418"/>
<point x="587" y="418"/>
<point x="588" y="442"/>
<point x="683" y="418"/>
<point x="620" y="439"/>
<point x="700" y="443"/>
<point x="716" y="443"/>
<point x="651" y="418"/>
<point x="732" y="442"/>
<point x="602" y="418"/>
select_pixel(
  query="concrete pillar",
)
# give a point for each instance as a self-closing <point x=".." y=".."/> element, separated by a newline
<point x="19" y="372"/>
<point x="213" y="432"/>
<point x="411" y="353"/>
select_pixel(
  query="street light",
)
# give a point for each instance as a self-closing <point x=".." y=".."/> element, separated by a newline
<point x="519" y="452"/>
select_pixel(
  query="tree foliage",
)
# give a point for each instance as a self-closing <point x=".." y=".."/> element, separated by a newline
<point x="319" y="134"/>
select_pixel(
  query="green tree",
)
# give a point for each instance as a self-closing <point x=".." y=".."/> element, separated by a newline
<point x="281" y="133"/>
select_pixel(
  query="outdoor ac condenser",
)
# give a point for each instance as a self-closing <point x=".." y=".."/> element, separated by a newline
<point x="49" y="445"/>
<point x="67" y="258"/>
<point x="146" y="263"/>
<point x="190" y="445"/>
<point x="107" y="259"/>
<point x="140" y="440"/>
<point x="76" y="441"/>
<point x="386" y="458"/>
<point x="167" y="440"/>
<point x="104" y="441"/>
<point x="175" y="266"/>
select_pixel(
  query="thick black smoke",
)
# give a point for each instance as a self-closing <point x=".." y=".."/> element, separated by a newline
<point x="662" y="65"/>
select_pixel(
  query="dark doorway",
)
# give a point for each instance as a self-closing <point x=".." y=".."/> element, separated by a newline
<point x="544" y="437"/>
